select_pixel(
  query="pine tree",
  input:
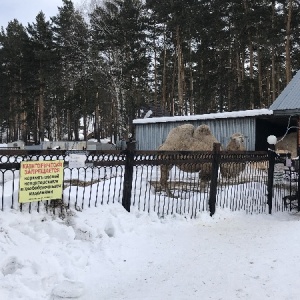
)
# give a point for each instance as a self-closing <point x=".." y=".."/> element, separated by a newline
<point x="14" y="58"/>
<point x="179" y="20"/>
<point x="44" y="72"/>
<point x="119" y="45"/>
<point x="71" y="41"/>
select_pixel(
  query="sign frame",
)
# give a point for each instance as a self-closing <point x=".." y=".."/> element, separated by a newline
<point x="41" y="180"/>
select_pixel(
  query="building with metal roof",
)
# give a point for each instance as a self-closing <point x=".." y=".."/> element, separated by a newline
<point x="256" y="125"/>
<point x="288" y="102"/>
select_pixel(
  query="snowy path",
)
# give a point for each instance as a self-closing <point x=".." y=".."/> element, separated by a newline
<point x="107" y="254"/>
<point x="247" y="257"/>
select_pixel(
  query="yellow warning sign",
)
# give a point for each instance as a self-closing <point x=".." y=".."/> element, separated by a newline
<point x="41" y="180"/>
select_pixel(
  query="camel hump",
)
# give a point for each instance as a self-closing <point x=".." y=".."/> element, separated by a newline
<point x="182" y="131"/>
<point x="202" y="130"/>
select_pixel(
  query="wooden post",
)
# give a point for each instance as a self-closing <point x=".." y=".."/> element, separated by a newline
<point x="271" y="154"/>
<point x="214" y="178"/>
<point x="128" y="175"/>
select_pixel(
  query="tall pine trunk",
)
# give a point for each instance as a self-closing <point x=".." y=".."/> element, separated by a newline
<point x="41" y="112"/>
<point x="288" y="42"/>
<point x="164" y="76"/>
<point x="97" y="118"/>
<point x="273" y="74"/>
<point x="180" y="71"/>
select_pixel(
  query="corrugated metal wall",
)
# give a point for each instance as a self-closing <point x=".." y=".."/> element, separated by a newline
<point x="150" y="136"/>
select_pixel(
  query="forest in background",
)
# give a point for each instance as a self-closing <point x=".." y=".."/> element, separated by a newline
<point x="112" y="61"/>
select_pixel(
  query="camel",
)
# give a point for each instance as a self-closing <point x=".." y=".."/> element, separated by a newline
<point x="188" y="138"/>
<point x="229" y="170"/>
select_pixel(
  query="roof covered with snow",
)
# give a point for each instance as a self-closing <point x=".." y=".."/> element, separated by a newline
<point x="288" y="102"/>
<point x="223" y="115"/>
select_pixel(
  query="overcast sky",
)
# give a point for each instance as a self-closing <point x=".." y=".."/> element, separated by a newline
<point x="25" y="11"/>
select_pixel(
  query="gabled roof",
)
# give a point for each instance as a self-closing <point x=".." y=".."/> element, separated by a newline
<point x="288" y="102"/>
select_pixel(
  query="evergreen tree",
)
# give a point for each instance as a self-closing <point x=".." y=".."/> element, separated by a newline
<point x="71" y="41"/>
<point x="187" y="56"/>
<point x="44" y="72"/>
<point x="179" y="19"/>
<point x="14" y="58"/>
<point x="119" y="43"/>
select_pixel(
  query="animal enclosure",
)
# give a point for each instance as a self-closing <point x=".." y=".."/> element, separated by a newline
<point x="150" y="133"/>
<point x="133" y="178"/>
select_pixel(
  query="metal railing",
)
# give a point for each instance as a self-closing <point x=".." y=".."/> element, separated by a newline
<point x="234" y="180"/>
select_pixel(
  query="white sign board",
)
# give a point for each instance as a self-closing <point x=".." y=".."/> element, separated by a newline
<point x="77" y="160"/>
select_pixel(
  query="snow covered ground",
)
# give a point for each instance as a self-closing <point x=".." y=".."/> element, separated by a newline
<point x="106" y="253"/>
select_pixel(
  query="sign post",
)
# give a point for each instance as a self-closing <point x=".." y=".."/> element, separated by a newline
<point x="41" y="180"/>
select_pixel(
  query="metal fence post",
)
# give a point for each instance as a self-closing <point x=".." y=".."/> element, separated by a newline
<point x="271" y="155"/>
<point x="128" y="175"/>
<point x="214" y="178"/>
<point x="298" y="162"/>
<point x="298" y="182"/>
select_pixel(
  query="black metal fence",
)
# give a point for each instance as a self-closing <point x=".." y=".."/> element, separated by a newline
<point x="183" y="182"/>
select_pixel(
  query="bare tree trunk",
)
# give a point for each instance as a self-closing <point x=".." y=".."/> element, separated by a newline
<point x="85" y="130"/>
<point x="155" y="68"/>
<point x="16" y="127"/>
<point x="58" y="125"/>
<point x="41" y="112"/>
<point x="23" y="127"/>
<point x="191" y="91"/>
<point x="251" y="75"/>
<point x="288" y="43"/>
<point x="180" y="71"/>
<point x="164" y="83"/>
<point x="238" y="69"/>
<point x="259" y="73"/>
<point x="97" y="119"/>
<point x="15" y="111"/>
<point x="23" y="124"/>
<point x="242" y="65"/>
<point x="171" y="101"/>
<point x="273" y="75"/>
<point x="70" y="135"/>
<point x="115" y="121"/>
<point x="273" y="57"/>
<point x="36" y="122"/>
<point x="202" y="103"/>
<point x="277" y="76"/>
<point x="16" y="115"/>
<point x="269" y="87"/>
<point x="12" y="114"/>
<point x="251" y="59"/>
<point x="76" y="128"/>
